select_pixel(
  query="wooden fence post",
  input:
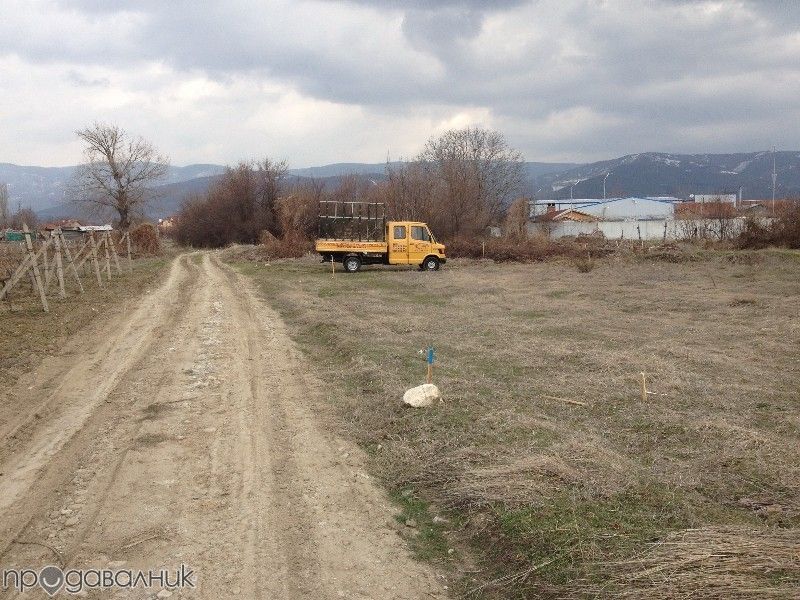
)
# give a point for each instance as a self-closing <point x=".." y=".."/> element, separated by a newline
<point x="94" y="259"/>
<point x="70" y="259"/>
<point x="110" y="242"/>
<point x="104" y="243"/>
<point x="35" y="266"/>
<point x="46" y="263"/>
<point x="128" y="241"/>
<point x="59" y="265"/>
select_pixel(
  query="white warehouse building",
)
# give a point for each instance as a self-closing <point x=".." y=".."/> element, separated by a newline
<point x="627" y="218"/>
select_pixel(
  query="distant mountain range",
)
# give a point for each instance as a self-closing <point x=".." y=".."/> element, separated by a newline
<point x="44" y="188"/>
<point x="679" y="175"/>
<point x="645" y="174"/>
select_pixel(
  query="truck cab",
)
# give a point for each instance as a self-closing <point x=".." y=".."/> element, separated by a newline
<point x="412" y="243"/>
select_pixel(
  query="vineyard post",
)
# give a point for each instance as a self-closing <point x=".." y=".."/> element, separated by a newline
<point x="37" y="278"/>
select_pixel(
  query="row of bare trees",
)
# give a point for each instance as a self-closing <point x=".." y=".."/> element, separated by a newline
<point x="460" y="183"/>
<point x="237" y="208"/>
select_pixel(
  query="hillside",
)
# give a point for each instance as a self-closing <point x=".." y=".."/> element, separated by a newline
<point x="44" y="188"/>
<point x="660" y="174"/>
<point x="646" y="174"/>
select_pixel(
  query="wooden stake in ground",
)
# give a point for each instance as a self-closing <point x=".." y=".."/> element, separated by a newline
<point x="644" y="387"/>
<point x="94" y="259"/>
<point x="429" y="359"/>
<point x="565" y="400"/>
<point x="59" y="265"/>
<point x="46" y="263"/>
<point x="35" y="266"/>
<point x="128" y="242"/>
<point x="70" y="259"/>
<point x="114" y="252"/>
<point x="104" y="243"/>
<point x="333" y="267"/>
<point x="24" y="268"/>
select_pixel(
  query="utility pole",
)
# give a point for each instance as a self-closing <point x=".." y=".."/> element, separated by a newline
<point x="604" y="184"/>
<point x="572" y="187"/>
<point x="774" y="180"/>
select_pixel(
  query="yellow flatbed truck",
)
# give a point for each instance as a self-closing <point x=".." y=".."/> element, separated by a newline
<point x="357" y="233"/>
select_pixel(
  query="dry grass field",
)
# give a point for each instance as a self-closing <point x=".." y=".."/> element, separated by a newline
<point x="544" y="472"/>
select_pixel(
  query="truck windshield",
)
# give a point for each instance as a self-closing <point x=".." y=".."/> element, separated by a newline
<point x="418" y="232"/>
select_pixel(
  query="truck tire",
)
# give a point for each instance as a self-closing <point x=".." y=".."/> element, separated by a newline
<point x="351" y="264"/>
<point x="431" y="263"/>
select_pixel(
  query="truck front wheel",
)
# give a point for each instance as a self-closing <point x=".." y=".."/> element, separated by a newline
<point x="351" y="264"/>
<point x="431" y="264"/>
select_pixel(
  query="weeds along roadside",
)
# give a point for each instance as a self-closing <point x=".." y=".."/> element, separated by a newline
<point x="529" y="490"/>
<point x="32" y="334"/>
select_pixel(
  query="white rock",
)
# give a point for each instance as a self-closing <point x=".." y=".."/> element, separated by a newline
<point x="422" y="395"/>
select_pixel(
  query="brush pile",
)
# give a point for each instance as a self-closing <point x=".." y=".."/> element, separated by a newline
<point x="712" y="563"/>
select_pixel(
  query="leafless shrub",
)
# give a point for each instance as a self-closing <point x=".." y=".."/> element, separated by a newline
<point x="292" y="244"/>
<point x="24" y="216"/>
<point x="236" y="209"/>
<point x="533" y="249"/>
<point x="585" y="264"/>
<point x="783" y="230"/>
<point x="145" y="240"/>
<point x="516" y="223"/>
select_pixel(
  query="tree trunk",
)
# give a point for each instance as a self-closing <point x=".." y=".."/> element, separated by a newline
<point x="124" y="219"/>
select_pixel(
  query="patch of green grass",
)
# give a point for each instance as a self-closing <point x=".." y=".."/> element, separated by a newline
<point x="573" y="530"/>
<point x="532" y="315"/>
<point x="428" y="539"/>
<point x="558" y="294"/>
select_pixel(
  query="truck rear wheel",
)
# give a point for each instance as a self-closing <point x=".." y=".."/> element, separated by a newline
<point x="430" y="264"/>
<point x="351" y="264"/>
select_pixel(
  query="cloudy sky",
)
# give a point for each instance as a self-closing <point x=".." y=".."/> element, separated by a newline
<point x="317" y="81"/>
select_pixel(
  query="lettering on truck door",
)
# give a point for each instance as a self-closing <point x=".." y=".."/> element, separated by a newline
<point x="399" y="250"/>
<point x="419" y="245"/>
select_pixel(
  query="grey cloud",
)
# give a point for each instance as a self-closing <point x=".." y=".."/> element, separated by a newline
<point x="81" y="80"/>
<point x="483" y="5"/>
<point x="658" y="69"/>
<point x="438" y="31"/>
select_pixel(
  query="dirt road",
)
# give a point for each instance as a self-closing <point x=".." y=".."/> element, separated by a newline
<point x="183" y="432"/>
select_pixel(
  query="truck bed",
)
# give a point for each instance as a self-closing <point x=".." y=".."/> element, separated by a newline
<point x="325" y="246"/>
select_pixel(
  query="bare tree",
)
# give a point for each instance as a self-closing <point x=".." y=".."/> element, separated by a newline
<point x="4" y="215"/>
<point x="516" y="223"/>
<point x="118" y="171"/>
<point x="408" y="191"/>
<point x="23" y="216"/>
<point x="478" y="174"/>
<point x="722" y="218"/>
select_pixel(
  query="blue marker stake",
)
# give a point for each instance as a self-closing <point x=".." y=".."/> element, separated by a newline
<point x="431" y="357"/>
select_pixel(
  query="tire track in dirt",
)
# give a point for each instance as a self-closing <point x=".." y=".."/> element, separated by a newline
<point x="81" y="404"/>
<point x="205" y="452"/>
